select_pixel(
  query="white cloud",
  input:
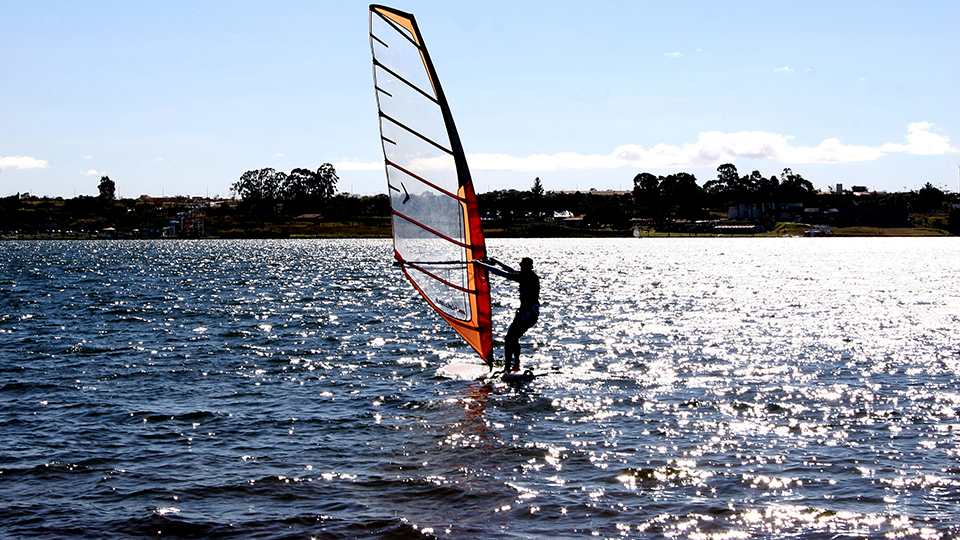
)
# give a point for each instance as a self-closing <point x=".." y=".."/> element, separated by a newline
<point x="922" y="142"/>
<point x="88" y="156"/>
<point x="715" y="148"/>
<point x="712" y="148"/>
<point x="278" y="155"/>
<point x="673" y="54"/>
<point x="23" y="162"/>
<point x="784" y="69"/>
<point x="91" y="172"/>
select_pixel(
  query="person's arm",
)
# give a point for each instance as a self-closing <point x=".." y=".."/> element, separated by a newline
<point x="491" y="268"/>
<point x="505" y="272"/>
<point x="505" y="267"/>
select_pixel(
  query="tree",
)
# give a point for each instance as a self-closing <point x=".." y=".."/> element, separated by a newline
<point x="297" y="187"/>
<point x="538" y="204"/>
<point x="108" y="189"/>
<point x="728" y="177"/>
<point x="681" y="195"/>
<point x="726" y="187"/>
<point x="259" y="190"/>
<point x="537" y="189"/>
<point x="929" y="199"/>
<point x="308" y="190"/>
<point x="324" y="184"/>
<point x="794" y="188"/>
<point x="752" y="185"/>
<point x="767" y="188"/>
<point x="646" y="194"/>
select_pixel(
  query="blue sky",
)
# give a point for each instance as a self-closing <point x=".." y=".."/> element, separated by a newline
<point x="180" y="98"/>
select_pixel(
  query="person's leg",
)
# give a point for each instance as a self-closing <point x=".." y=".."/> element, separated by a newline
<point x="521" y="323"/>
<point x="511" y="348"/>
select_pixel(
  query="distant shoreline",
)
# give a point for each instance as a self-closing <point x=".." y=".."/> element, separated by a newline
<point x="356" y="231"/>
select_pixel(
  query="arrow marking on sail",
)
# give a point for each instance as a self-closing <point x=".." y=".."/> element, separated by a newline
<point x="406" y="196"/>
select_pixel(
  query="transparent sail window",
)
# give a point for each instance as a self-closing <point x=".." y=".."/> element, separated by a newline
<point x="407" y="150"/>
<point x="452" y="301"/>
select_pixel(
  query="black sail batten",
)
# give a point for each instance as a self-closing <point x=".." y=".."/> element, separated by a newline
<point x="380" y="42"/>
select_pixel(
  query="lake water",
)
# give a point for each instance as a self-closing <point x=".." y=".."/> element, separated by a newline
<point x="707" y="389"/>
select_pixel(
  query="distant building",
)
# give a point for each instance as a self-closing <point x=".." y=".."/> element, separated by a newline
<point x="750" y="211"/>
<point x="789" y="211"/>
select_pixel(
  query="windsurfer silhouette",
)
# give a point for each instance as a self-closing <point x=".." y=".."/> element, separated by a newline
<point x="529" y="311"/>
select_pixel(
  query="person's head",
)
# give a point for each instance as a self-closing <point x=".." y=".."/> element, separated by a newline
<point x="526" y="263"/>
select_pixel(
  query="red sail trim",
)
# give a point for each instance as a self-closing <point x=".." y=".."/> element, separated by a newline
<point x="426" y="182"/>
<point x="477" y="275"/>
<point x="474" y="225"/>
<point x="432" y="231"/>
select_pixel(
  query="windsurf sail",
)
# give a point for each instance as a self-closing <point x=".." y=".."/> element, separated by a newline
<point x="437" y="234"/>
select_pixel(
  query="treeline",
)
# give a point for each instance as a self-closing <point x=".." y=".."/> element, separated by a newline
<point x="271" y="195"/>
<point x="679" y="196"/>
<point x="676" y="196"/>
<point x="83" y="215"/>
<point x="269" y="202"/>
<point x="268" y="191"/>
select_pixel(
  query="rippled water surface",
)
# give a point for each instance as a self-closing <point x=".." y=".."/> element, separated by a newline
<point x="707" y="389"/>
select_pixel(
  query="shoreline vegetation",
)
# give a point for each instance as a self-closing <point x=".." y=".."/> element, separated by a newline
<point x="305" y="204"/>
<point x="381" y="229"/>
<point x="361" y="230"/>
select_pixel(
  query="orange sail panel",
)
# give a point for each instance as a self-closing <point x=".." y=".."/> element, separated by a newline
<point x="437" y="234"/>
